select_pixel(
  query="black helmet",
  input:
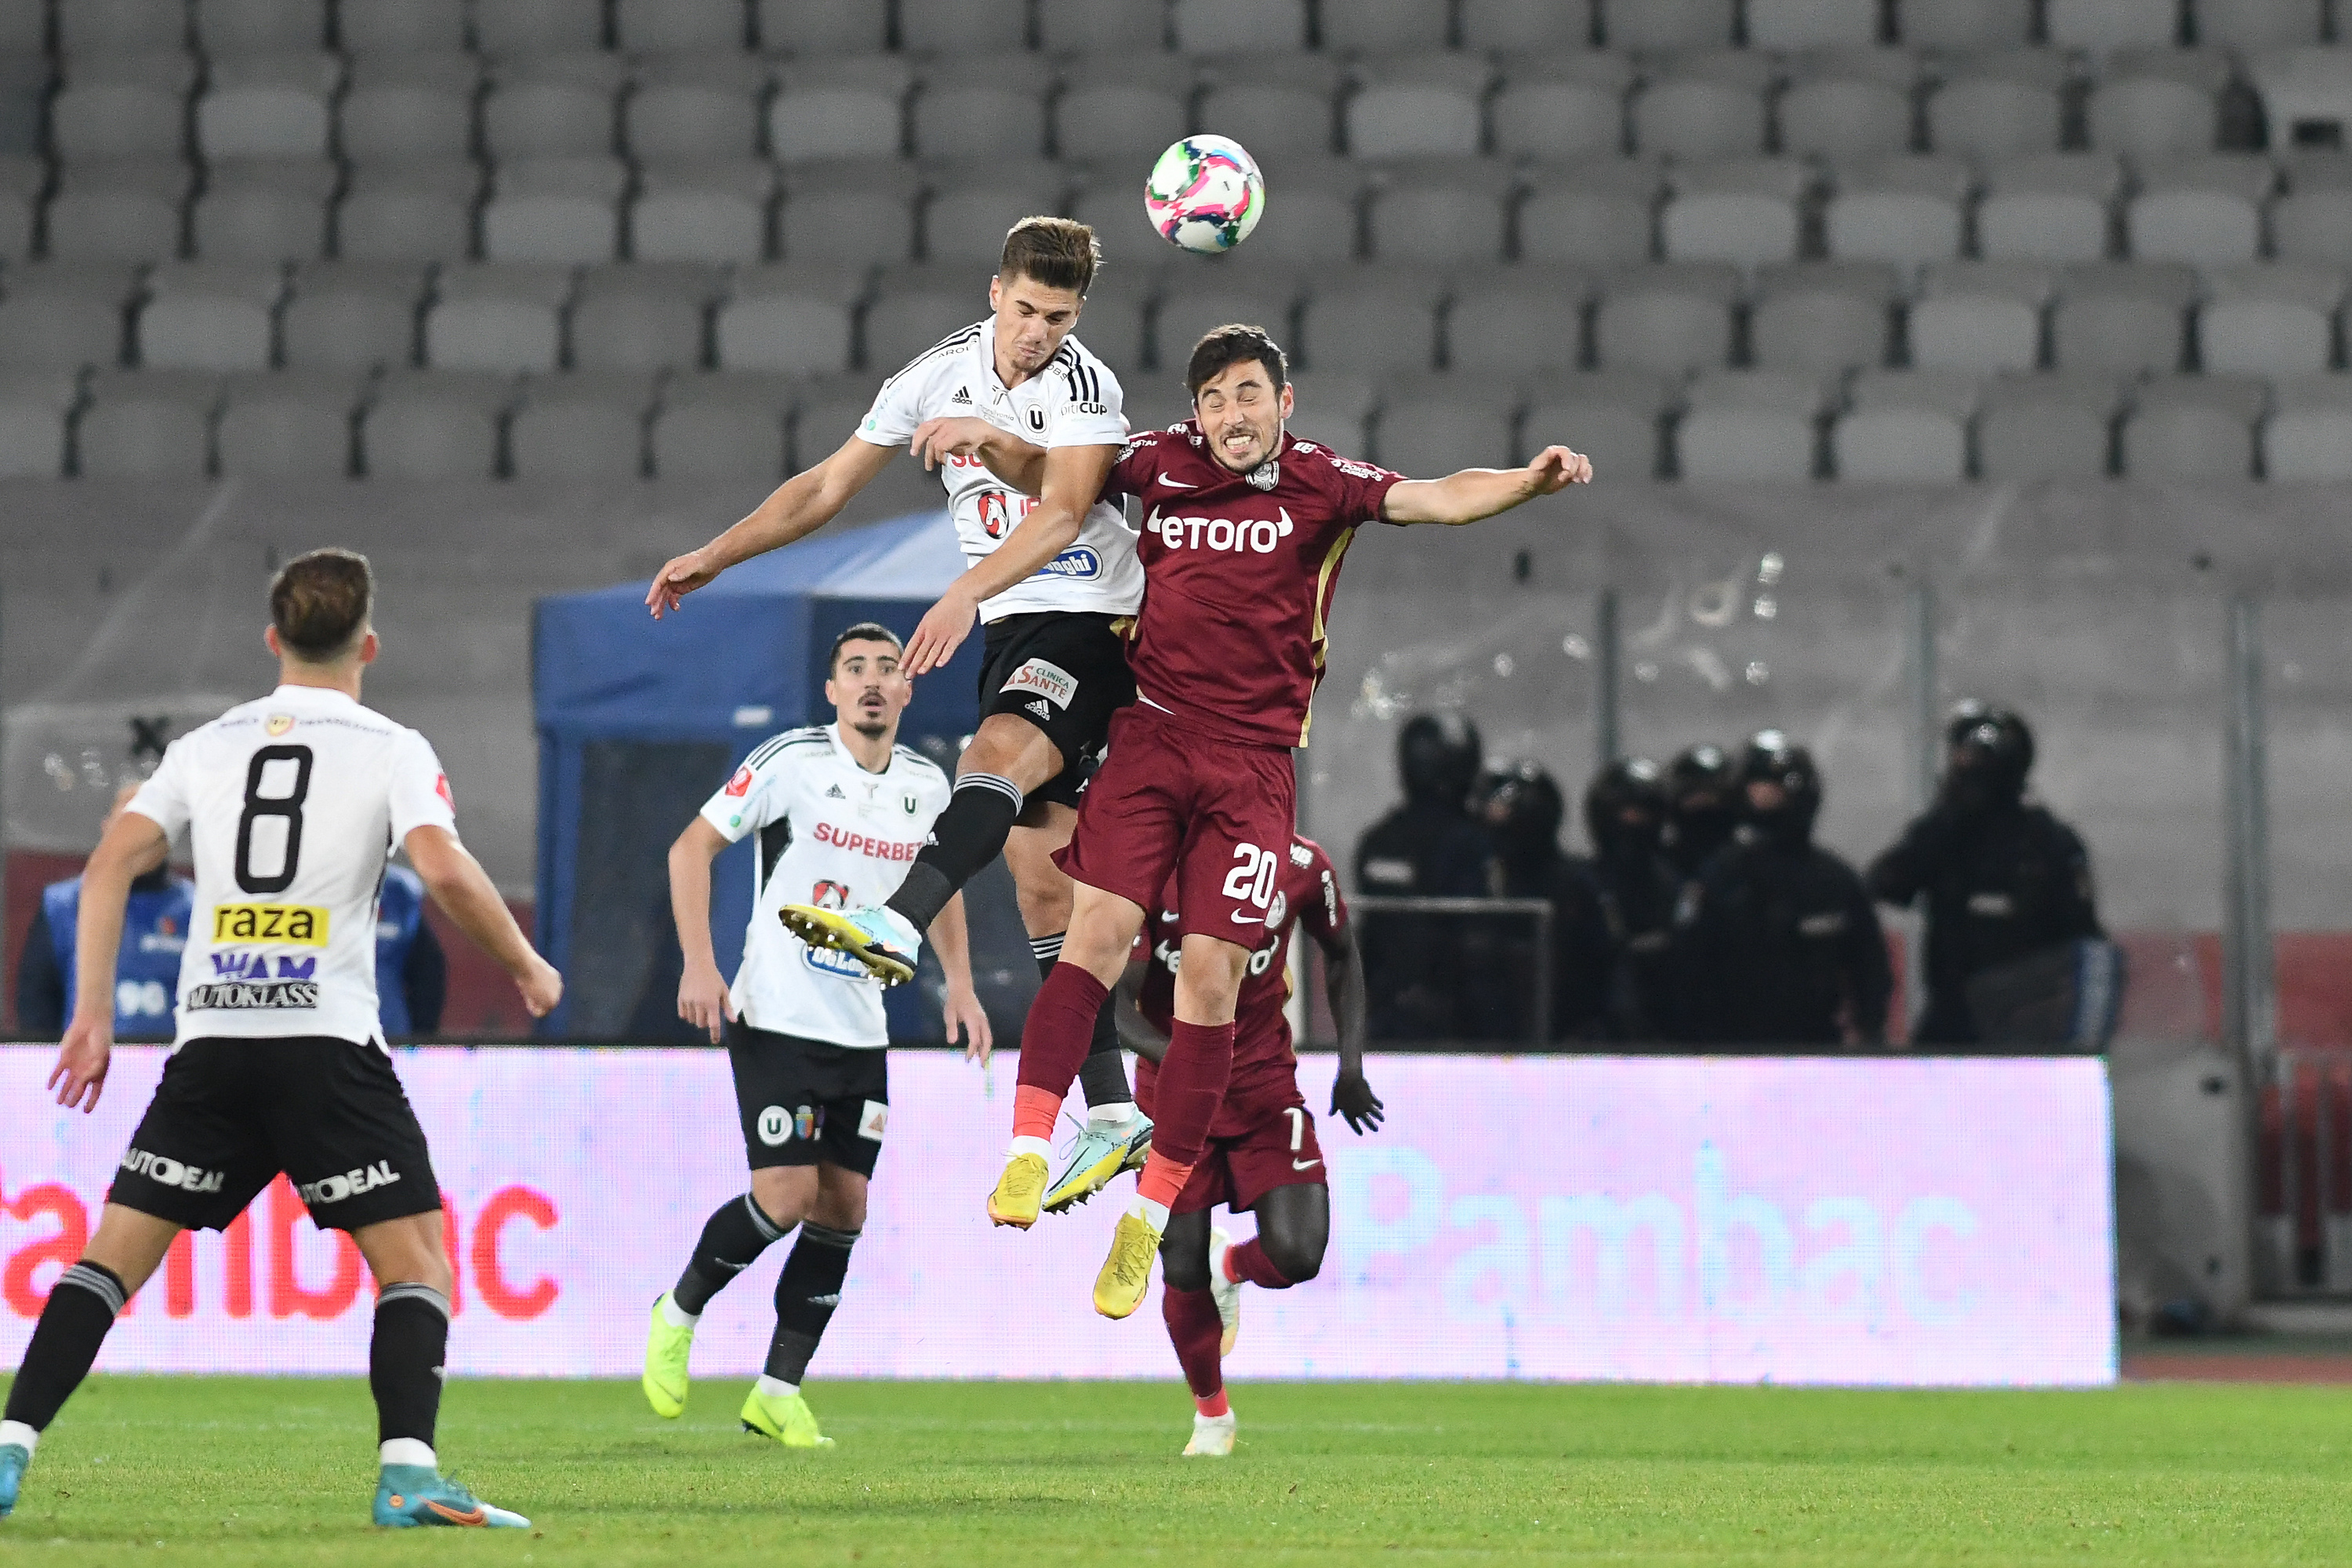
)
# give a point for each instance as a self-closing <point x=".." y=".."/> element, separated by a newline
<point x="1988" y="752"/>
<point x="1438" y="756"/>
<point x="1625" y="806"/>
<point x="1701" y="787"/>
<point x="1772" y="758"/>
<point x="1523" y="809"/>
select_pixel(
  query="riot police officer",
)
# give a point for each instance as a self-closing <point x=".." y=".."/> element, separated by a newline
<point x="1784" y="945"/>
<point x="2003" y="879"/>
<point x="1701" y="807"/>
<point x="1634" y="890"/>
<point x="1522" y="808"/>
<point x="1429" y="846"/>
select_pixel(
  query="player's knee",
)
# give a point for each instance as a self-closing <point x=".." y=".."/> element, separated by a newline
<point x="1299" y="1258"/>
<point x="784" y="1193"/>
<point x="1184" y="1269"/>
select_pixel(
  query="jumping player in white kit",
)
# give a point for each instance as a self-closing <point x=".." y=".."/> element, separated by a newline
<point x="292" y="804"/>
<point x="1055" y="577"/>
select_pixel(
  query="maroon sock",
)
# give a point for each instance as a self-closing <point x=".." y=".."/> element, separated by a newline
<point x="1196" y="1332"/>
<point x="1247" y="1262"/>
<point x="1190" y="1083"/>
<point x="1060" y="1029"/>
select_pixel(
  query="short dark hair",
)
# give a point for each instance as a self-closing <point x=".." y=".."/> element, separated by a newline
<point x="319" y="604"/>
<point x="1230" y="345"/>
<point x="864" y="631"/>
<point x="1059" y="252"/>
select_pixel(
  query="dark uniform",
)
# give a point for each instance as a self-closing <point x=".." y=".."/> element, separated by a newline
<point x="1701" y="808"/>
<point x="1522" y="809"/>
<point x="1782" y="940"/>
<point x="1430" y="848"/>
<point x="1634" y="890"/>
<point x="2003" y="879"/>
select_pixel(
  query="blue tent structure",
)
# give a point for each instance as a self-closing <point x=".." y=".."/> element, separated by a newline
<point x="639" y="721"/>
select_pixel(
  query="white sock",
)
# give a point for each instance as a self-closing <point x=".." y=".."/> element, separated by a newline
<point x="676" y="1316"/>
<point x="1037" y="1146"/>
<point x="1117" y="1113"/>
<point x="24" y="1436"/>
<point x="1151" y="1213"/>
<point x="777" y="1388"/>
<point x="407" y="1451"/>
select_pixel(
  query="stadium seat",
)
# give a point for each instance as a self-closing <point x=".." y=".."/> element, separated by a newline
<point x="1107" y="197"/>
<point x="968" y="208"/>
<point x="554" y="209"/>
<point x="119" y="27"/>
<point x="1703" y="106"/>
<point x="1979" y="316"/>
<point x="497" y="316"/>
<point x="24" y="80"/>
<point x="839" y="109"/>
<point x="2313" y="222"/>
<point x="518" y="28"/>
<point x="2205" y="211"/>
<point x="1563" y="106"/>
<point x="2055" y="208"/>
<point x="916" y="307"/>
<point x="2047" y="428"/>
<point x="581" y="426"/>
<point x="972" y="28"/>
<point x="1519" y="322"/>
<point x="1750" y="425"/>
<point x="717" y="210"/>
<point x="1116" y="322"/>
<point x="644" y="316"/>
<point x="2198" y="428"/>
<point x="25" y="30"/>
<point x="1822" y="316"/>
<point x="1333" y="411"/>
<point x="1850" y="104"/>
<point x="2260" y="24"/>
<point x="1370" y="320"/>
<point x="1262" y="296"/>
<point x="1128" y="109"/>
<point x="121" y="106"/>
<point x="1318" y="218"/>
<point x="401" y="28"/>
<point x="2159" y="103"/>
<point x="1966" y="23"/>
<point x="288" y="424"/>
<point x="430" y="425"/>
<point x="1418" y="106"/>
<point x="723" y="425"/>
<point x="680" y="26"/>
<point x="984" y="107"/>
<point x="2308" y="436"/>
<point x="2306" y="95"/>
<point x="1532" y="25"/>
<point x="1442" y="212"/>
<point x="1120" y="28"/>
<point x="1904" y="427"/>
<point x="1601" y="213"/>
<point x="2122" y="318"/>
<point x="2103" y="25"/>
<point x="21" y="179"/>
<point x="1340" y="419"/>
<point x="1904" y="210"/>
<point x="1745" y="211"/>
<point x="420" y="211"/>
<point x="1669" y="318"/>
<point x="1430" y="425"/>
<point x="1649" y="25"/>
<point x="2276" y="319"/>
<point x="147" y="424"/>
<point x="1611" y="417"/>
<point x="558" y="106"/>
<point x="64" y="316"/>
<point x="2000" y="105"/>
<point x="209" y="316"/>
<point x="352" y="315"/>
<point x="1279" y="106"/>
<point x="265" y="209"/>
<point x="409" y="105"/>
<point x="851" y="212"/>
<point x="838" y="28"/>
<point x="1238" y="26"/>
<point x="268" y="106"/>
<point x="1811" y="24"/>
<point x="35" y="406"/>
<point x="1384" y="26"/>
<point x="795" y="319"/>
<point x="827" y="412"/>
<point x="122" y="211"/>
<point x="697" y="107"/>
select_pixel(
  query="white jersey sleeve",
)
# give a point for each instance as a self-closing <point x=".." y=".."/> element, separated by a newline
<point x="759" y="792"/>
<point x="899" y="406"/>
<point x="419" y="790"/>
<point x="163" y="798"/>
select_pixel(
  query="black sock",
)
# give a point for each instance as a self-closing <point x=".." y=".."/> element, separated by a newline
<point x="65" y="1341"/>
<point x="404" y="1360"/>
<point x="806" y="1293"/>
<point x="737" y="1232"/>
<point x="966" y="837"/>
<point x="1103" y="1077"/>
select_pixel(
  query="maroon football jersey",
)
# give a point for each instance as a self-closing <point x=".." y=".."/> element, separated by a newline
<point x="1239" y="571"/>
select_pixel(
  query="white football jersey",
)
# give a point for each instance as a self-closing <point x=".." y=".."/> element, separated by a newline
<point x="1073" y="402"/>
<point x="829" y="833"/>
<point x="293" y="804"/>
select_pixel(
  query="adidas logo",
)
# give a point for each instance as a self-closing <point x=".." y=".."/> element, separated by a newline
<point x="1039" y="708"/>
<point x="962" y="395"/>
<point x="833" y="792"/>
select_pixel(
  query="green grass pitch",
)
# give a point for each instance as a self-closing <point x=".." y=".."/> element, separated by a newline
<point x="247" y="1471"/>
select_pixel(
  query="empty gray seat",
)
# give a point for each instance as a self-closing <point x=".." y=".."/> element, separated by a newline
<point x="2276" y="319"/>
<point x="955" y="26"/>
<point x="1811" y="24"/>
<point x="1611" y="417"/>
<point x="1665" y="24"/>
<point x="1124" y="109"/>
<point x="1998" y="105"/>
<point x="836" y="109"/>
<point x="2260" y="24"/>
<point x="1979" y="316"/>
<point x="1566" y="106"/>
<point x="2055" y="208"/>
<point x="419" y="211"/>
<point x="796" y="319"/>
<point x="1370" y="320"/>
<point x="2308" y="436"/>
<point x="2159" y="103"/>
<point x="644" y="317"/>
<point x="839" y="28"/>
<point x="723" y="425"/>
<point x="121" y="106"/>
<point x="703" y="211"/>
<point x="265" y="209"/>
<point x="435" y="425"/>
<point x="115" y="26"/>
<point x="2313" y="222"/>
<point x="1433" y="425"/>
<point x="1967" y="24"/>
<point x="1822" y="316"/>
<point x="1384" y="26"/>
<point x="1238" y="26"/>
<point x="1903" y="210"/>
<point x="982" y="106"/>
<point x="1597" y="213"/>
<point x="1528" y="25"/>
<point x="1197" y="298"/>
<point x="21" y="179"/>
<point x="2112" y="23"/>
<point x="124" y="211"/>
<point x="862" y="212"/>
<point x="147" y="424"/>
<point x="1744" y="211"/>
<point x="1334" y="411"/>
<point x="680" y="26"/>
<point x="289" y="424"/>
<point x="409" y="105"/>
<point x="1849" y="105"/>
<point x="2306" y="95"/>
<point x="827" y="412"/>
<point x="1121" y="27"/>
<point x="268" y="106"/>
<point x="1519" y="322"/>
<point x="402" y="26"/>
<point x="1110" y="198"/>
<point x="35" y="406"/>
<point x="916" y="307"/>
<point x="1704" y="107"/>
<point x="1115" y="323"/>
<point x="497" y="316"/>
<point x="2204" y="211"/>
<point x="352" y="315"/>
<point x="1905" y="428"/>
<point x="1278" y="107"/>
<point x="1418" y="106"/>
<point x="564" y="210"/>
<point x="581" y="426"/>
<point x="552" y="107"/>
<point x="209" y="316"/>
<point x="968" y="208"/>
<point x="1317" y="220"/>
<point x="1750" y="426"/>
<point x="64" y="316"/>
<point x="2047" y="428"/>
<point x="519" y="27"/>
<point x="1669" y="318"/>
<point x="2197" y="428"/>
<point x="2129" y="319"/>
<point x="24" y="103"/>
<point x="697" y="107"/>
<point x="1444" y="212"/>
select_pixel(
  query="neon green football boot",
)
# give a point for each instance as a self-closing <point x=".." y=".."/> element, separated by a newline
<point x="666" y="1347"/>
<point x="787" y="1419"/>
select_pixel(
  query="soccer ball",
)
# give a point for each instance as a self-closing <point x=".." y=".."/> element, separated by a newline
<point x="1204" y="195"/>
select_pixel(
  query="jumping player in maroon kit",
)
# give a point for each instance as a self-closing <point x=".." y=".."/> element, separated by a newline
<point x="1262" y="1152"/>
<point x="1244" y="533"/>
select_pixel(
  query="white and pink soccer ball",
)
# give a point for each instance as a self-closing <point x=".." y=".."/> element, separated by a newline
<point x="1204" y="195"/>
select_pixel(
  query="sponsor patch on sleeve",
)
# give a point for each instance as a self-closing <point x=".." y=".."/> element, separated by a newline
<point x="1051" y="681"/>
<point x="740" y="784"/>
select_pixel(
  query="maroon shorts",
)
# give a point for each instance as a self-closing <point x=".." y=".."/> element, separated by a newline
<point x="1263" y="1139"/>
<point x="1219" y="816"/>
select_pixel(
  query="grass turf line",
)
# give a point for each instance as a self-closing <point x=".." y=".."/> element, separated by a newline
<point x="265" y="1471"/>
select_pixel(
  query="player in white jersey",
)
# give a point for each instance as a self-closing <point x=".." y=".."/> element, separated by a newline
<point x="837" y="812"/>
<point x="1056" y="580"/>
<point x="292" y="804"/>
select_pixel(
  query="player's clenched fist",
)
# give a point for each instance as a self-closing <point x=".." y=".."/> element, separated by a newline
<point x="541" y="987"/>
<point x="1556" y="467"/>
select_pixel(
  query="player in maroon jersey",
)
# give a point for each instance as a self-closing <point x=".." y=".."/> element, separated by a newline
<point x="1262" y="1152"/>
<point x="1244" y="533"/>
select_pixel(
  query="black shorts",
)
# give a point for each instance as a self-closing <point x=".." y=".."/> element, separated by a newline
<point x="1066" y="673"/>
<point x="805" y="1103"/>
<point x="230" y="1114"/>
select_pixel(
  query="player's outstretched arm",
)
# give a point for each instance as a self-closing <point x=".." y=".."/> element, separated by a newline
<point x="795" y="508"/>
<point x="1012" y="460"/>
<point x="132" y="846"/>
<point x="1135" y="1031"/>
<point x="703" y="999"/>
<point x="1343" y="974"/>
<point x="965" y="1019"/>
<point x="1474" y="494"/>
<point x="464" y="890"/>
<point x="1074" y="477"/>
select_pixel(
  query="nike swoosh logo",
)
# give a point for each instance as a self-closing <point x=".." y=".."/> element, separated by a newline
<point x="1304" y="1164"/>
<point x="1174" y="484"/>
<point x="1249" y="920"/>
<point x="472" y="1516"/>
